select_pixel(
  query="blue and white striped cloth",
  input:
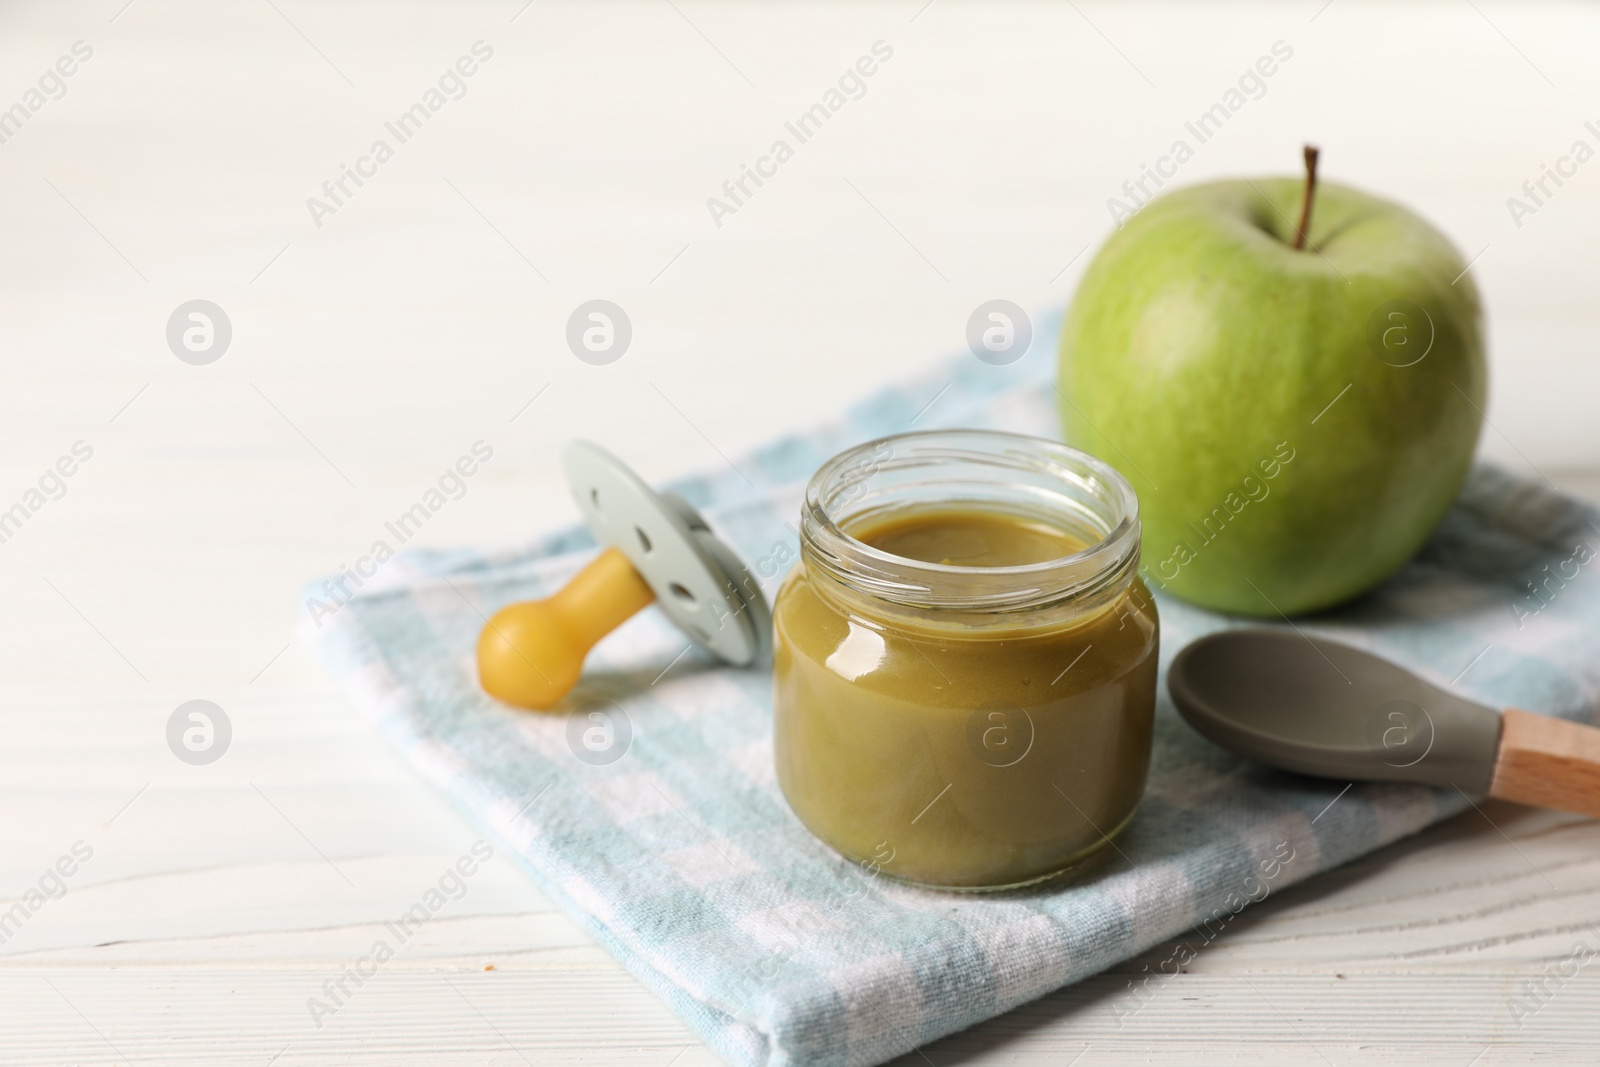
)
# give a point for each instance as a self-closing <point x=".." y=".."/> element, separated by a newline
<point x="683" y="860"/>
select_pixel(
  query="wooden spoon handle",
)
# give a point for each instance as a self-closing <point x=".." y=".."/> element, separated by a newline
<point x="1549" y="763"/>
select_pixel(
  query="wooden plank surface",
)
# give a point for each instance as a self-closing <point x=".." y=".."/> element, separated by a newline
<point x="428" y="313"/>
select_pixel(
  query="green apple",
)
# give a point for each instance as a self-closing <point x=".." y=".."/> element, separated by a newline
<point x="1296" y="421"/>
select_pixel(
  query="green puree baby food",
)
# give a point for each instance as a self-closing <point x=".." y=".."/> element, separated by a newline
<point x="965" y="741"/>
<point x="969" y="538"/>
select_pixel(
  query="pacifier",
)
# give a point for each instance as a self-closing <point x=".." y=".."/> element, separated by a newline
<point x="655" y="548"/>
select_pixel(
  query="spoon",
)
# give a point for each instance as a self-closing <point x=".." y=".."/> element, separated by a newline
<point x="1318" y="707"/>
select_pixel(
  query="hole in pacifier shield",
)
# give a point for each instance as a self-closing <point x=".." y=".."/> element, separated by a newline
<point x="1400" y="332"/>
<point x="599" y="732"/>
<point x="599" y="332"/>
<point x="1000" y="734"/>
<point x="999" y="332"/>
<point x="199" y="332"/>
<point x="1400" y="733"/>
<point x="198" y="732"/>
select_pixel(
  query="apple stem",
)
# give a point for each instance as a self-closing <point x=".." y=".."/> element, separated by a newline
<point x="1305" y="205"/>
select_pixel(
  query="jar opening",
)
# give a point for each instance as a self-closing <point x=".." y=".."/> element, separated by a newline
<point x="1030" y="478"/>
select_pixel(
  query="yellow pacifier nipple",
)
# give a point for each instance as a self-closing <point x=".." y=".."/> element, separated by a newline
<point x="531" y="653"/>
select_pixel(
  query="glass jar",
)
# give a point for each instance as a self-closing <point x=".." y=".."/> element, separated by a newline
<point x="956" y="724"/>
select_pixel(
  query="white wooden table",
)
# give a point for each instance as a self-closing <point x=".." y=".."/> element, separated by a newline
<point x="427" y="312"/>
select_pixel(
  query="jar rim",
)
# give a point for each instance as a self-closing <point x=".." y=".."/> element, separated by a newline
<point x="1098" y="490"/>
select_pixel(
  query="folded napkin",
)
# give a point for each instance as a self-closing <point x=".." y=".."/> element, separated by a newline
<point x="666" y="838"/>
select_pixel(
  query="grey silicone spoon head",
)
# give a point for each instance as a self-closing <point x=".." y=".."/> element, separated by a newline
<point x="1319" y="707"/>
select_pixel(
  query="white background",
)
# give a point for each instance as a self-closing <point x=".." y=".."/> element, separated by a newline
<point x="370" y="352"/>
